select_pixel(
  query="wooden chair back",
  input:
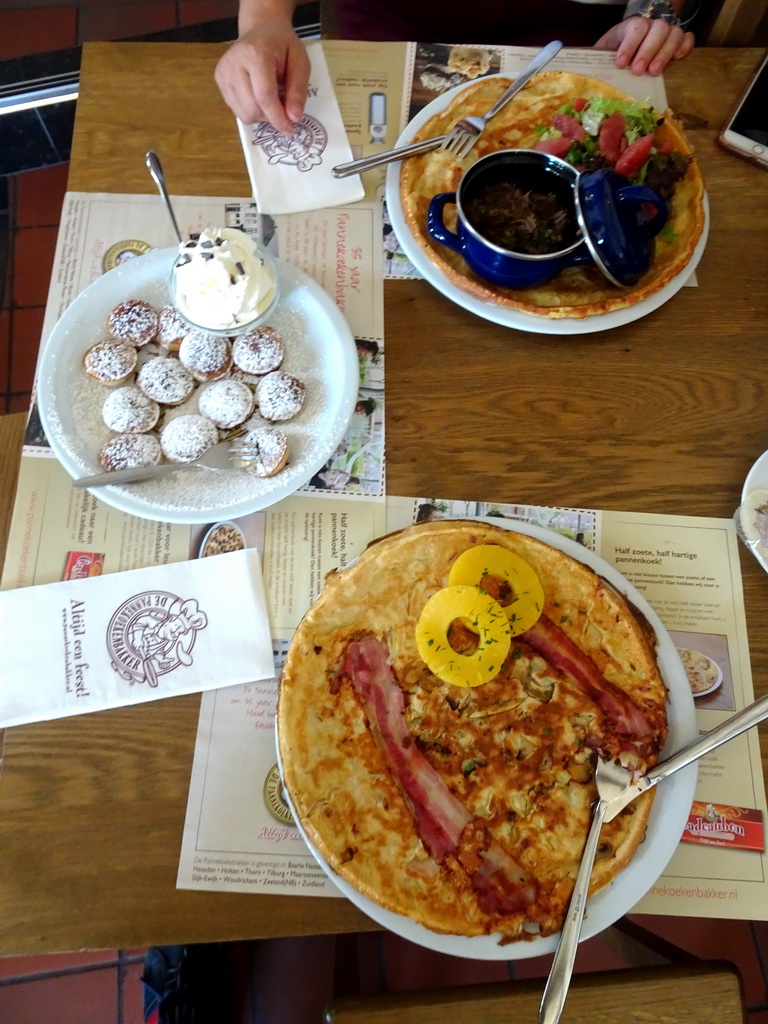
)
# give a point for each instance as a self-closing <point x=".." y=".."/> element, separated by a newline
<point x="732" y="22"/>
<point x="706" y="993"/>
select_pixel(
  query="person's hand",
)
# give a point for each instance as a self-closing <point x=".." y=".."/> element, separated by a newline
<point x="646" y="44"/>
<point x="265" y="74"/>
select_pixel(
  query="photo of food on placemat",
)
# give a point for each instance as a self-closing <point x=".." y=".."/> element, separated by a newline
<point x="439" y="67"/>
<point x="708" y="667"/>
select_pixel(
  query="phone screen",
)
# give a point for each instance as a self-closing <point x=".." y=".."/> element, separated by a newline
<point x="751" y="118"/>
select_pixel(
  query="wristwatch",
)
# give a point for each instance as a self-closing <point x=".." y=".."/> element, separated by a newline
<point x="654" y="9"/>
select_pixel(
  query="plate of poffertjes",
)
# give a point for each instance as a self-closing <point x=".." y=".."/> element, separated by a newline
<point x="317" y="349"/>
<point x="579" y="300"/>
<point x="455" y="815"/>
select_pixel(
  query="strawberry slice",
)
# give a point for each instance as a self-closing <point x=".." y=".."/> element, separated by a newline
<point x="665" y="148"/>
<point x="634" y="156"/>
<point x="555" y="147"/>
<point x="569" y="127"/>
<point x="610" y="135"/>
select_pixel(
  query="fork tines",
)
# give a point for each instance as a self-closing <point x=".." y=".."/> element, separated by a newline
<point x="461" y="138"/>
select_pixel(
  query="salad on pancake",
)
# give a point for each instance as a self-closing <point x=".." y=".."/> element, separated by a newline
<point x="620" y="134"/>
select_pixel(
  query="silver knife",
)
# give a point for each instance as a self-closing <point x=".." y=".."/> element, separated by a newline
<point x="548" y="53"/>
<point x="749" y="716"/>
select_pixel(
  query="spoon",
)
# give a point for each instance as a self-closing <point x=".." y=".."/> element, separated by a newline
<point x="156" y="170"/>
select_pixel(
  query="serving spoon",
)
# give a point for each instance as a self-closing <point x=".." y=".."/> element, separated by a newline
<point x="156" y="170"/>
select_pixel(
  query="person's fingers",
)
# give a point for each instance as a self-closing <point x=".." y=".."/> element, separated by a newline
<point x="249" y="76"/>
<point x="685" y="47"/>
<point x="666" y="51"/>
<point x="243" y="103"/>
<point x="656" y="34"/>
<point x="635" y="31"/>
<point x="646" y="44"/>
<point x="296" y="82"/>
<point x="667" y="39"/>
<point x="265" y="91"/>
<point x="234" y="84"/>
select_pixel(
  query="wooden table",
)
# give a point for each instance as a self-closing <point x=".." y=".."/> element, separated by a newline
<point x="664" y="415"/>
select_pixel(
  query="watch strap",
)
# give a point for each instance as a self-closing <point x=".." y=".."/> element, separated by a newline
<point x="653" y="9"/>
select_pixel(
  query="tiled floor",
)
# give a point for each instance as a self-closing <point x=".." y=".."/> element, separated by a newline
<point x="104" y="987"/>
<point x="34" y="200"/>
<point x="71" y="988"/>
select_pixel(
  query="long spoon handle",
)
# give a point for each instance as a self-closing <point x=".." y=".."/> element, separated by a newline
<point x="156" y="170"/>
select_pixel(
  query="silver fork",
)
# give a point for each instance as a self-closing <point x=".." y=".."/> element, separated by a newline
<point x="465" y="133"/>
<point x="245" y="452"/>
<point x="473" y="131"/>
<point x="220" y="456"/>
<point x="611" y="783"/>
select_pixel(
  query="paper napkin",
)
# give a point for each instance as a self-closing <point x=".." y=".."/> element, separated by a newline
<point x="129" y="637"/>
<point x="293" y="175"/>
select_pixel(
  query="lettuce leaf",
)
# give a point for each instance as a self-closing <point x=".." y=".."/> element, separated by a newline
<point x="583" y="151"/>
<point x="641" y="119"/>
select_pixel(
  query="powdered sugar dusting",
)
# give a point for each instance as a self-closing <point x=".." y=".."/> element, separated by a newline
<point x="133" y="321"/>
<point x="165" y="380"/>
<point x="259" y="351"/>
<point x="110" y="361"/>
<point x="205" y="355"/>
<point x="129" y="409"/>
<point x="227" y="402"/>
<point x="279" y="396"/>
<point x="130" y="451"/>
<point x="319" y="351"/>
<point x="186" y="438"/>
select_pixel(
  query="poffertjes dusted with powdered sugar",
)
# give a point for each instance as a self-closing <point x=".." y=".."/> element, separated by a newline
<point x="437" y="716"/>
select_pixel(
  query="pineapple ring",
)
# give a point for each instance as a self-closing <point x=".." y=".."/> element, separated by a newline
<point x="485" y="616"/>
<point x="491" y="560"/>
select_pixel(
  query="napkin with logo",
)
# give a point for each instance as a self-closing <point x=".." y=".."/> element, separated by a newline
<point x="129" y="637"/>
<point x="293" y="175"/>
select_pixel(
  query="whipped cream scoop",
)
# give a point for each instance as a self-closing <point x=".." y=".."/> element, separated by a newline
<point x="222" y="280"/>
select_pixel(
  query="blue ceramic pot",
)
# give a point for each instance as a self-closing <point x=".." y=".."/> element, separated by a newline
<point x="614" y="229"/>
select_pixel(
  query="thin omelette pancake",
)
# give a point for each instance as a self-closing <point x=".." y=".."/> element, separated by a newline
<point x="422" y="794"/>
<point x="577" y="292"/>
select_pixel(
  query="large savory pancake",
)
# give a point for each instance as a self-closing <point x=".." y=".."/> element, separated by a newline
<point x="466" y="808"/>
<point x="577" y="291"/>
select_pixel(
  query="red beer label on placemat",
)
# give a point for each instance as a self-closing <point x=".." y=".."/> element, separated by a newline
<point x="80" y="564"/>
<point x="740" y="828"/>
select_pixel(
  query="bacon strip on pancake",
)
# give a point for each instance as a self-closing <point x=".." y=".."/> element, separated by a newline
<point x="626" y="719"/>
<point x="500" y="884"/>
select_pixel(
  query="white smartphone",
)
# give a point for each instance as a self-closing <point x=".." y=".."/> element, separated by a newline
<point x="746" y="133"/>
